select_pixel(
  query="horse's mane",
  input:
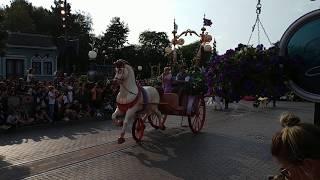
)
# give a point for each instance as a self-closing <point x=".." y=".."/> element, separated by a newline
<point x="131" y="76"/>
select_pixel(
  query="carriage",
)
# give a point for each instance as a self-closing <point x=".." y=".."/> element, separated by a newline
<point x="194" y="109"/>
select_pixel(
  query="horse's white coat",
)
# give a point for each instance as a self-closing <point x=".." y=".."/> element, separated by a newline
<point x="128" y="92"/>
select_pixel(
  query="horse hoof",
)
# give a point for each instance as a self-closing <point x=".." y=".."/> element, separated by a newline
<point x="162" y="128"/>
<point x="121" y="140"/>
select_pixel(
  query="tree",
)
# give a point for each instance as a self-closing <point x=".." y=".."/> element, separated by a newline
<point x="17" y="17"/>
<point x="21" y="16"/>
<point x="152" y="46"/>
<point x="79" y="32"/>
<point x="114" y="38"/>
<point x="43" y="20"/>
<point x="190" y="51"/>
<point x="154" y="40"/>
<point x="3" y="33"/>
<point x="131" y="54"/>
<point x="80" y="24"/>
<point x="76" y="48"/>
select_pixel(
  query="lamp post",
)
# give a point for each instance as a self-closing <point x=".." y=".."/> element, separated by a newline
<point x="139" y="73"/>
<point x="64" y="12"/>
<point x="92" y="56"/>
<point x="105" y="56"/>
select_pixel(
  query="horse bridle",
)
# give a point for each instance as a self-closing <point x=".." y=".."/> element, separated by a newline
<point x="121" y="80"/>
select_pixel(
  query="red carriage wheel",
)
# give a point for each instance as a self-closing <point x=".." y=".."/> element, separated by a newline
<point x="138" y="129"/>
<point x="197" y="120"/>
<point x="155" y="122"/>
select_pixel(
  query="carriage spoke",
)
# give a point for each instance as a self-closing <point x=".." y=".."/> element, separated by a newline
<point x="155" y="121"/>
<point x="138" y="129"/>
<point x="196" y="122"/>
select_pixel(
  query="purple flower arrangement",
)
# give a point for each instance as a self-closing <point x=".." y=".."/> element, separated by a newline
<point x="245" y="71"/>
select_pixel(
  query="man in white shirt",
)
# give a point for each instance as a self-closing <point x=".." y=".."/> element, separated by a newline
<point x="30" y="75"/>
<point x="52" y="101"/>
<point x="70" y="94"/>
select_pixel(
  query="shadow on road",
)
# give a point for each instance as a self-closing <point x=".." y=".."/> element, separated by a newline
<point x="9" y="173"/>
<point x="205" y="156"/>
<point x="56" y="131"/>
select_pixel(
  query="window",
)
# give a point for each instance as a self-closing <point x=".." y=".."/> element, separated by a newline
<point x="47" y="68"/>
<point x="36" y="66"/>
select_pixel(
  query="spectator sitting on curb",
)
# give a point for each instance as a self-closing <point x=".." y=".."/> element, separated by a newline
<point x="297" y="149"/>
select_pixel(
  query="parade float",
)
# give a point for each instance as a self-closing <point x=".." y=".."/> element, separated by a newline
<point x="148" y="105"/>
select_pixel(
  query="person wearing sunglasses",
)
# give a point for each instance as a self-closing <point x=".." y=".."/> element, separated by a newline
<point x="296" y="147"/>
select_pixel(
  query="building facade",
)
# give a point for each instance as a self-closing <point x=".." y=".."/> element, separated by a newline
<point x="25" y="51"/>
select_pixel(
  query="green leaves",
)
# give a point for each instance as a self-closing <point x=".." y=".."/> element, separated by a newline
<point x="18" y="17"/>
<point x="154" y="40"/>
<point x="152" y="46"/>
<point x="116" y="34"/>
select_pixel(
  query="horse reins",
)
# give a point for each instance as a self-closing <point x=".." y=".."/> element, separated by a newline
<point x="125" y="88"/>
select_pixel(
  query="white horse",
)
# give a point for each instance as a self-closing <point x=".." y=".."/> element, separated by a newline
<point x="131" y="97"/>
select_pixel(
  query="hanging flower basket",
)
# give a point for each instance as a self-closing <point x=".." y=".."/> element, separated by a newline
<point x="246" y="71"/>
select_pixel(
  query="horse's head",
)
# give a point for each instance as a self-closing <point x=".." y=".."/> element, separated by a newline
<point x="123" y="71"/>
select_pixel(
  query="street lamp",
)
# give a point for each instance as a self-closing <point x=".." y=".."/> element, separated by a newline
<point x="105" y="56"/>
<point x="139" y="73"/>
<point x="92" y="54"/>
<point x="64" y="14"/>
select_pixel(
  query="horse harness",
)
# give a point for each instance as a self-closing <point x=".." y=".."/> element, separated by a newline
<point x="141" y="91"/>
<point x="124" y="107"/>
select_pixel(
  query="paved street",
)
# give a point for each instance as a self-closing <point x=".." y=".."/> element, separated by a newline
<point x="234" y="144"/>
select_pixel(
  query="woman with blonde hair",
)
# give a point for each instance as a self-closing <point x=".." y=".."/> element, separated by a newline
<point x="297" y="149"/>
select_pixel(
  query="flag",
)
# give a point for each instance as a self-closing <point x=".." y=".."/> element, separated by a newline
<point x="207" y="22"/>
<point x="175" y="26"/>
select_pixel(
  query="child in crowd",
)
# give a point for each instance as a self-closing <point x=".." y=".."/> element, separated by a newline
<point x="51" y="103"/>
<point x="41" y="115"/>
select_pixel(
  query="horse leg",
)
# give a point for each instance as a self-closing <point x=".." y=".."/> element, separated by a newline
<point x="115" y="116"/>
<point x="129" y="116"/>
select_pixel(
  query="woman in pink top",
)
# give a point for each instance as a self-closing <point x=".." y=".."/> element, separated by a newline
<point x="167" y="80"/>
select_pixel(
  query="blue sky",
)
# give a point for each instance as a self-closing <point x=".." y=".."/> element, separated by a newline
<point x="232" y="19"/>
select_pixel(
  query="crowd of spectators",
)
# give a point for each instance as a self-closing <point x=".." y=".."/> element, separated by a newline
<point x="29" y="101"/>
